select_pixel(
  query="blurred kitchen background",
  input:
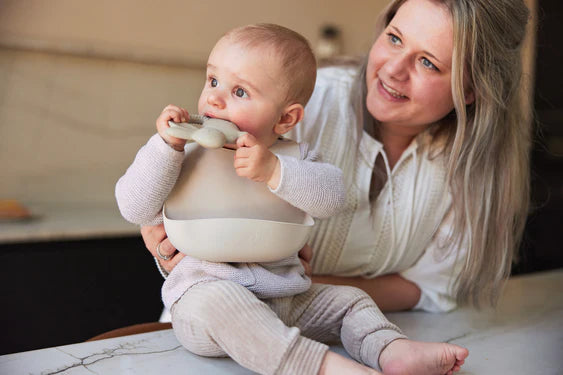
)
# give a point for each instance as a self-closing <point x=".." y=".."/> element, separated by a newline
<point x="81" y="84"/>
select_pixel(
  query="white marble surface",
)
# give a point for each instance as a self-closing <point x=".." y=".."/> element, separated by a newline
<point x="524" y="335"/>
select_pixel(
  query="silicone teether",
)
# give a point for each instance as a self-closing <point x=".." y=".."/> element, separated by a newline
<point x="208" y="132"/>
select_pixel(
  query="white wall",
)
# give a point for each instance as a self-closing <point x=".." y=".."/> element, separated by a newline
<point x="69" y="126"/>
<point x="70" y="123"/>
<point x="172" y="30"/>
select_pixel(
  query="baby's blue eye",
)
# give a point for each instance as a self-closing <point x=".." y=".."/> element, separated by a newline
<point x="428" y="64"/>
<point x="241" y="93"/>
<point x="214" y="82"/>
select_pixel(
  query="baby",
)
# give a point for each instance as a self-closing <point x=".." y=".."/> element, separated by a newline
<point x="268" y="316"/>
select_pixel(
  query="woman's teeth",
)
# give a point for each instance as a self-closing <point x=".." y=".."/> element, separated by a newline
<point x="392" y="92"/>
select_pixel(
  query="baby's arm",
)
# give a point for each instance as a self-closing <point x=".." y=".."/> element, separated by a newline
<point x="142" y="190"/>
<point x="314" y="187"/>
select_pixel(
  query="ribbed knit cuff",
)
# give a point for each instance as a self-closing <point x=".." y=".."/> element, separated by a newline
<point x="165" y="148"/>
<point x="161" y="269"/>
<point x="303" y="358"/>
<point x="373" y="345"/>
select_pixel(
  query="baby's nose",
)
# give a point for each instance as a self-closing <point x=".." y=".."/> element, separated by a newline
<point x="216" y="100"/>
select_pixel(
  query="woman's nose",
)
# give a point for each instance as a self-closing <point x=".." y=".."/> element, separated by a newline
<point x="398" y="67"/>
<point x="216" y="100"/>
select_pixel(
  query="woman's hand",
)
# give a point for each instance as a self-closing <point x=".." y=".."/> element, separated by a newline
<point x="305" y="256"/>
<point x="153" y="235"/>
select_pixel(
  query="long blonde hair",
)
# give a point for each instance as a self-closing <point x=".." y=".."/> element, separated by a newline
<point x="488" y="141"/>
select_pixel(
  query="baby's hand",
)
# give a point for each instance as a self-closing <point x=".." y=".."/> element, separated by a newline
<point x="176" y="114"/>
<point x="253" y="160"/>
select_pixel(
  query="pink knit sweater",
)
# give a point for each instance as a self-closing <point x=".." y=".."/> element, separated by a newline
<point x="308" y="184"/>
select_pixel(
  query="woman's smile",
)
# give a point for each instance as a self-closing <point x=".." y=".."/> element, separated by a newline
<point x="387" y="91"/>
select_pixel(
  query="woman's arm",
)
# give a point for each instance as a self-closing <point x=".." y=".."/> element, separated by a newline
<point x="391" y="292"/>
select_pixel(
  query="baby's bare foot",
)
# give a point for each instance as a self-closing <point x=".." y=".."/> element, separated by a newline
<point x="335" y="364"/>
<point x="421" y="358"/>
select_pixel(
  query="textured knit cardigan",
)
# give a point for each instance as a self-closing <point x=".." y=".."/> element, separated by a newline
<point x="406" y="229"/>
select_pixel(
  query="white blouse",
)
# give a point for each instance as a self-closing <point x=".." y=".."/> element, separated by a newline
<point x="406" y="229"/>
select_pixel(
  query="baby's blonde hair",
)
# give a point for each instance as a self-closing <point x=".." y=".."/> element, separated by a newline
<point x="293" y="51"/>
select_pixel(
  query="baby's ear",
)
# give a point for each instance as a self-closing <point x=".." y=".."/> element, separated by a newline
<point x="291" y="115"/>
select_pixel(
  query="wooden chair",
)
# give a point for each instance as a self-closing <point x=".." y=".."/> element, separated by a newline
<point x="132" y="330"/>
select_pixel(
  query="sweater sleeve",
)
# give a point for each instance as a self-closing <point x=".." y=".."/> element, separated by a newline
<point x="435" y="271"/>
<point x="314" y="187"/>
<point x="144" y="187"/>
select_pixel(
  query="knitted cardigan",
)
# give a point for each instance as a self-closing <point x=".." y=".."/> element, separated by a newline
<point x="406" y="229"/>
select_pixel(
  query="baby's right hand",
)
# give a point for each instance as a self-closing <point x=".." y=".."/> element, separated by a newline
<point x="176" y="114"/>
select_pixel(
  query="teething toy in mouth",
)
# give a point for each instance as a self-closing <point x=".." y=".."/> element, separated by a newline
<point x="207" y="132"/>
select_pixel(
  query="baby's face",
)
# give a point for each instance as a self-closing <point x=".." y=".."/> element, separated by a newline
<point x="244" y="86"/>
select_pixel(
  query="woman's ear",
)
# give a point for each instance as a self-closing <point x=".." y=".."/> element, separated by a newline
<point x="468" y="90"/>
<point x="291" y="115"/>
<point x="469" y="97"/>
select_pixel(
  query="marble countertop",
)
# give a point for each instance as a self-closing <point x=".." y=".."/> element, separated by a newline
<point x="67" y="221"/>
<point x="523" y="335"/>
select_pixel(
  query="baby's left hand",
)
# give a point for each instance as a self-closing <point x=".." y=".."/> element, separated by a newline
<point x="254" y="161"/>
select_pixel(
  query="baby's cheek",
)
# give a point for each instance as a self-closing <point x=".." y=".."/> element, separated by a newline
<point x="248" y="126"/>
<point x="201" y="102"/>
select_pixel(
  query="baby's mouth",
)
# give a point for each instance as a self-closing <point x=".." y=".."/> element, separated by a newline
<point x="211" y="115"/>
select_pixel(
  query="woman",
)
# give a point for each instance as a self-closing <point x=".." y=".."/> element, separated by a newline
<point x="430" y="134"/>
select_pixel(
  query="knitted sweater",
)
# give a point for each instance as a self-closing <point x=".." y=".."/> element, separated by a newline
<point x="405" y="230"/>
<point x="306" y="183"/>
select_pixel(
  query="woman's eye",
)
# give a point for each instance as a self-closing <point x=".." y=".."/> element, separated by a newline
<point x="394" y="39"/>
<point x="428" y="64"/>
<point x="213" y="82"/>
<point x="241" y="93"/>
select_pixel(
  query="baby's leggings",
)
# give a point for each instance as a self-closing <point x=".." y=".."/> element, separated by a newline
<point x="281" y="335"/>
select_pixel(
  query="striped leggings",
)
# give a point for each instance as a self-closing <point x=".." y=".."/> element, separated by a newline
<point x="281" y="335"/>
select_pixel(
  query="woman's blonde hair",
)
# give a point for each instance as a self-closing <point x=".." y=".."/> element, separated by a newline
<point x="488" y="141"/>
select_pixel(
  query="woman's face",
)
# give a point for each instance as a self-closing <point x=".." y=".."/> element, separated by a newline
<point x="409" y="68"/>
